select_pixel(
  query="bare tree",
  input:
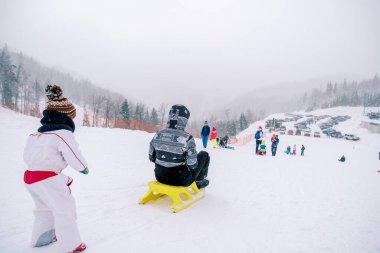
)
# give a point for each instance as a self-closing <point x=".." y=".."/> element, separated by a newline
<point x="116" y="109"/>
<point x="162" y="113"/>
<point x="108" y="108"/>
<point x="96" y="105"/>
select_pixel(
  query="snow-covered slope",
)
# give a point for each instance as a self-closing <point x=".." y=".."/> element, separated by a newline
<point x="253" y="204"/>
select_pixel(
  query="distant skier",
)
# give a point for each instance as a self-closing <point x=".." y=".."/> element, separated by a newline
<point x="288" y="150"/>
<point x="223" y="142"/>
<point x="174" y="153"/>
<point x="302" y="150"/>
<point x="294" y="150"/>
<point x="205" y="133"/>
<point x="274" y="145"/>
<point x="47" y="153"/>
<point x="213" y="137"/>
<point x="342" y="159"/>
<point x="262" y="150"/>
<point x="259" y="137"/>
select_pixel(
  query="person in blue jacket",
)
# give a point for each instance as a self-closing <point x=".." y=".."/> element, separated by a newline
<point x="259" y="137"/>
<point x="205" y="134"/>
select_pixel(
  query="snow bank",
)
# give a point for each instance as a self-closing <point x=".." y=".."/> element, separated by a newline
<point x="253" y="203"/>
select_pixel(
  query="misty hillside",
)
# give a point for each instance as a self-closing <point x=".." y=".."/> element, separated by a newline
<point x="282" y="97"/>
<point x="23" y="80"/>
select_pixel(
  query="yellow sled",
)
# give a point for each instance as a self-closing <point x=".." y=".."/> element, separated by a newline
<point x="191" y="194"/>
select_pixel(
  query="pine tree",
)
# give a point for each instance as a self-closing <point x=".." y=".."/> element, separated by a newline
<point x="139" y="111"/>
<point x="231" y="128"/>
<point x="7" y="77"/>
<point x="154" y="117"/>
<point x="329" y="88"/>
<point x="335" y="89"/>
<point x="125" y="110"/>
<point x="243" y="123"/>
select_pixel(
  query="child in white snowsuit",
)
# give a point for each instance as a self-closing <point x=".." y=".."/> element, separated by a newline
<point x="46" y="154"/>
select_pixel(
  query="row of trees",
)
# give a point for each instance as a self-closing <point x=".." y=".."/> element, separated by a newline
<point x="365" y="93"/>
<point x="22" y="82"/>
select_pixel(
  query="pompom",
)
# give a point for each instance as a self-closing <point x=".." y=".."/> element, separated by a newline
<point x="53" y="92"/>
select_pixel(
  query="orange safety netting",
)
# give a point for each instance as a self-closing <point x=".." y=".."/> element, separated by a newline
<point x="240" y="141"/>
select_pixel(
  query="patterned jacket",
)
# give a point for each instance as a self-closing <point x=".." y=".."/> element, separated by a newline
<point x="174" y="152"/>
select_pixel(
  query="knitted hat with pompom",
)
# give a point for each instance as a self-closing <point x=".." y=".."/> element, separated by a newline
<point x="57" y="102"/>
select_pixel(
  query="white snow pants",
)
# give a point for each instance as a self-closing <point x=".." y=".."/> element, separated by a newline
<point x="55" y="214"/>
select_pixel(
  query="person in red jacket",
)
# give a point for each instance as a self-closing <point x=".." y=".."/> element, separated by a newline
<point x="213" y="137"/>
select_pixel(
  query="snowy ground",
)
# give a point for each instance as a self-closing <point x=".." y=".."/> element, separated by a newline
<point x="253" y="204"/>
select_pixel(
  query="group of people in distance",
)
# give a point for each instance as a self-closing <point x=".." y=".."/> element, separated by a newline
<point x="294" y="152"/>
<point x="212" y="136"/>
<point x="261" y="145"/>
<point x="53" y="147"/>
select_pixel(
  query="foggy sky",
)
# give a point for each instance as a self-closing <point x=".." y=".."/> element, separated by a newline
<point x="191" y="51"/>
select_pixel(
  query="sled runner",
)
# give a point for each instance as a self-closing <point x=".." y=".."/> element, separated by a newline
<point x="190" y="193"/>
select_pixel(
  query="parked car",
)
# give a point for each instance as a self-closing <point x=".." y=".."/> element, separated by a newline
<point x="283" y="128"/>
<point x="282" y="132"/>
<point x="373" y="115"/>
<point x="307" y="130"/>
<point x="307" y="134"/>
<point x="329" y="131"/>
<point x="317" y="134"/>
<point x="336" y="134"/>
<point x="351" y="137"/>
<point x="323" y="127"/>
<point x="290" y="132"/>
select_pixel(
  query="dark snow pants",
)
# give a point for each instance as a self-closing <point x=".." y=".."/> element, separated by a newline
<point x="258" y="143"/>
<point x="274" y="150"/>
<point x="182" y="175"/>
<point x="200" y="172"/>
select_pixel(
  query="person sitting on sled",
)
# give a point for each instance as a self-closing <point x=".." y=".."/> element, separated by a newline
<point x="223" y="141"/>
<point x="174" y="153"/>
<point x="47" y="153"/>
<point x="288" y="150"/>
<point x="262" y="150"/>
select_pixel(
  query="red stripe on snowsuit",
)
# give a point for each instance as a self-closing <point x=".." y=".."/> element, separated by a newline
<point x="31" y="177"/>
<point x="69" y="148"/>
